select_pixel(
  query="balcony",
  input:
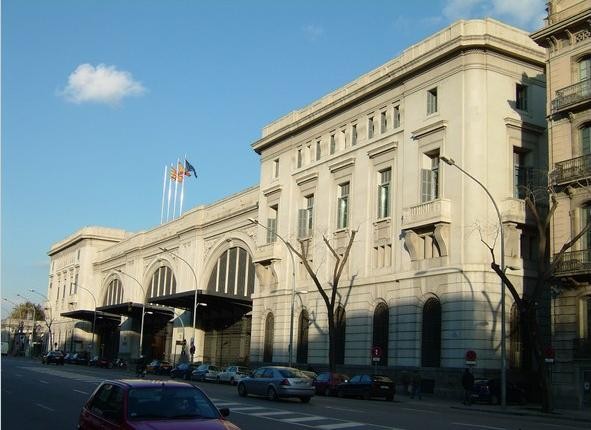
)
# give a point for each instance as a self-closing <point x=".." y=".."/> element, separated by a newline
<point x="427" y="213"/>
<point x="582" y="348"/>
<point x="574" y="263"/>
<point x="572" y="170"/>
<point x="265" y="254"/>
<point x="571" y="96"/>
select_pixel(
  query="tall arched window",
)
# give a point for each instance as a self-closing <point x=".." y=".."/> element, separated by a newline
<point x="303" y="324"/>
<point x="585" y="139"/>
<point x="114" y="293"/>
<point x="381" y="320"/>
<point x="233" y="274"/>
<point x="340" y="325"/>
<point x="269" y="333"/>
<point x="514" y="339"/>
<point x="163" y="283"/>
<point x="431" y="335"/>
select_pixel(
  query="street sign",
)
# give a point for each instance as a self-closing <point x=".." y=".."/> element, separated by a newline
<point x="376" y="352"/>
<point x="470" y="357"/>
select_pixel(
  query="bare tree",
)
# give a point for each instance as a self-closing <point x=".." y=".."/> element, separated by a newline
<point x="329" y="293"/>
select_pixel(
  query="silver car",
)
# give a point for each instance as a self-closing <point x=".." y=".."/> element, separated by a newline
<point x="233" y="374"/>
<point x="277" y="382"/>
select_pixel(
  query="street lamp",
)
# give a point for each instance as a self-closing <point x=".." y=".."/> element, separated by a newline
<point x="49" y="339"/>
<point x="180" y="318"/>
<point x="451" y="162"/>
<point x="143" y="308"/>
<point x="290" y="349"/>
<point x="93" y="315"/>
<point x="195" y="304"/>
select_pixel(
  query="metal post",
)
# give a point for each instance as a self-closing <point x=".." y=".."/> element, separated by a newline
<point x="143" y="309"/>
<point x="290" y="348"/>
<point x="451" y="162"/>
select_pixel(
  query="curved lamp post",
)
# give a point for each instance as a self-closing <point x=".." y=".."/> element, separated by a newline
<point x="143" y="309"/>
<point x="195" y="304"/>
<point x="451" y="162"/>
<point x="93" y="314"/>
<point x="49" y="339"/>
<point x="290" y="349"/>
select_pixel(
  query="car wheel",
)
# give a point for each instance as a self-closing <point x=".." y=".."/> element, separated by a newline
<point x="366" y="395"/>
<point x="305" y="399"/>
<point x="272" y="394"/>
<point x="218" y="380"/>
<point x="242" y="390"/>
<point x="232" y="381"/>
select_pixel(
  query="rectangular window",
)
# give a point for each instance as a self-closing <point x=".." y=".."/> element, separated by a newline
<point x="431" y="101"/>
<point x="299" y="156"/>
<point x="430" y="178"/>
<point x="272" y="224"/>
<point x="354" y="135"/>
<point x="521" y="175"/>
<point x="384" y="194"/>
<point x="276" y="168"/>
<point x="586" y="139"/>
<point x="344" y="138"/>
<point x="370" y="127"/>
<point x="343" y="206"/>
<point x="585" y="218"/>
<point x="333" y="144"/>
<point x="521" y="96"/>
<point x="305" y="218"/>
<point x="383" y="122"/>
<point x="396" y="119"/>
<point x="318" y="150"/>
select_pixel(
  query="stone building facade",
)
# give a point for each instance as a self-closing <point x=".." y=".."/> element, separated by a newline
<point x="567" y="39"/>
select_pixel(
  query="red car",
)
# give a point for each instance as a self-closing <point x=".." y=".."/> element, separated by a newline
<point x="326" y="382"/>
<point x="137" y="404"/>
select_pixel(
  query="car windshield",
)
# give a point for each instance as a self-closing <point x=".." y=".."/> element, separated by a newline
<point x="377" y="378"/>
<point x="166" y="403"/>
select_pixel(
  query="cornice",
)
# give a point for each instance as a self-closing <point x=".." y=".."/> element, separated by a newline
<point x="343" y="164"/>
<point x="428" y="129"/>
<point x="524" y="125"/>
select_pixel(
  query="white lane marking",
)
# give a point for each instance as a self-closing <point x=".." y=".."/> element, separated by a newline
<point x="43" y="382"/>
<point x="81" y="392"/>
<point x="272" y="413"/>
<point x="254" y="408"/>
<point x="345" y="409"/>
<point x="303" y="419"/>
<point x="338" y="426"/>
<point x="18" y="375"/>
<point x="479" y="426"/>
<point x="423" y="411"/>
<point x="45" y="407"/>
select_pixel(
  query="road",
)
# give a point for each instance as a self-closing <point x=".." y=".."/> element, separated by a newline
<point x="39" y="396"/>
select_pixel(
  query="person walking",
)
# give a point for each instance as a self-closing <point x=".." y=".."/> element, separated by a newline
<point x="468" y="384"/>
<point x="415" y="385"/>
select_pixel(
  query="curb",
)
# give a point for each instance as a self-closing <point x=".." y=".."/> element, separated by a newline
<point x="551" y="415"/>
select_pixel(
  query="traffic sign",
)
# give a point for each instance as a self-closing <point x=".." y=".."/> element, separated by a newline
<point x="376" y="352"/>
<point x="470" y="357"/>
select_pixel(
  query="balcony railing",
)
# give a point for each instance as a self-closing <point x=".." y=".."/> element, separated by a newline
<point x="427" y="213"/>
<point x="572" y="170"/>
<point x="574" y="263"/>
<point x="582" y="348"/>
<point x="572" y="95"/>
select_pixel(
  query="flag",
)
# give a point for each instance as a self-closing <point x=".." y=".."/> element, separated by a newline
<point x="173" y="174"/>
<point x="180" y="172"/>
<point x="189" y="168"/>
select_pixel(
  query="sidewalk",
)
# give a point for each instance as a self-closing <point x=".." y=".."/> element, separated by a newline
<point x="578" y="415"/>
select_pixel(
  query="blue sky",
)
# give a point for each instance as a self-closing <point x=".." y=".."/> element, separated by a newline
<point x="98" y="96"/>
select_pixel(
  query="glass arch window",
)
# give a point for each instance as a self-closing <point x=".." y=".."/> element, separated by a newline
<point x="233" y="273"/>
<point x="303" y="324"/>
<point x="341" y="325"/>
<point x="381" y="319"/>
<point x="114" y="293"/>
<point x="431" y="334"/>
<point x="163" y="283"/>
<point x="268" y="343"/>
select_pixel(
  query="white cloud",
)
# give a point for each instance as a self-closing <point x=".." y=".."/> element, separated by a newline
<point x="313" y="32"/>
<point x="528" y="14"/>
<point x="100" y="84"/>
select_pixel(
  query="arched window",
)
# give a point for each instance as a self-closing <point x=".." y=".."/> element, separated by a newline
<point x="340" y="325"/>
<point x="269" y="333"/>
<point x="163" y="283"/>
<point x="585" y="139"/>
<point x="233" y="274"/>
<point x="381" y="320"/>
<point x="114" y="293"/>
<point x="303" y="324"/>
<point x="514" y="339"/>
<point x="431" y="335"/>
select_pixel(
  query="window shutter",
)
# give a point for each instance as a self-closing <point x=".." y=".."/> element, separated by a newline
<point x="302" y="223"/>
<point x="426" y="185"/>
<point x="271" y="229"/>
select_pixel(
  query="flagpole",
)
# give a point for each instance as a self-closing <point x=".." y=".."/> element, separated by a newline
<point x="169" y="192"/>
<point x="163" y="195"/>
<point x="183" y="184"/>
<point x="176" y="185"/>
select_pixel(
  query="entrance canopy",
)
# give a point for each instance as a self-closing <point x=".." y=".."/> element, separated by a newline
<point x="134" y="310"/>
<point x="89" y="315"/>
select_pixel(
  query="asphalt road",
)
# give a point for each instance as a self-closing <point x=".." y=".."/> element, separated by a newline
<point x="36" y="396"/>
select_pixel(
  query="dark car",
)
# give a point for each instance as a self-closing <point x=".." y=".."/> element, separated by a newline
<point x="96" y="361"/>
<point x="367" y="386"/>
<point x="277" y="382"/>
<point x="326" y="382"/>
<point x="153" y="366"/>
<point x="489" y="391"/>
<point x="56" y="357"/>
<point x="69" y="357"/>
<point x="183" y="370"/>
<point x="158" y="405"/>
<point x="82" y="358"/>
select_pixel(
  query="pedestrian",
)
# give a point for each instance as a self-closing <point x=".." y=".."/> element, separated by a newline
<point x="468" y="384"/>
<point x="140" y="367"/>
<point x="415" y="385"/>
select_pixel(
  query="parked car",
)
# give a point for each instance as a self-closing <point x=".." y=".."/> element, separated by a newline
<point x="96" y="361"/>
<point x="277" y="382"/>
<point x="69" y="357"/>
<point x="326" y="382"/>
<point x="165" y="367"/>
<point x="367" y="386"/>
<point x="56" y="357"/>
<point x="82" y="357"/>
<point x="233" y="374"/>
<point x="205" y="372"/>
<point x="153" y="367"/>
<point x="489" y="391"/>
<point x="140" y="404"/>
<point x="183" y="370"/>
